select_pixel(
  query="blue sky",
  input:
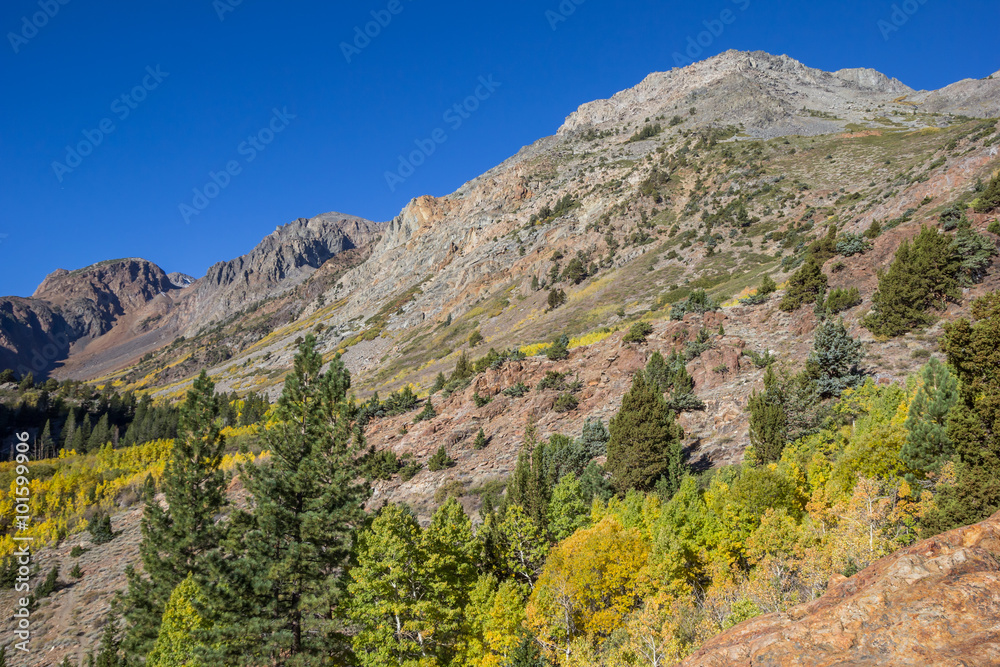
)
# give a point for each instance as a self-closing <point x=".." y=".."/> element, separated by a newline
<point x="162" y="95"/>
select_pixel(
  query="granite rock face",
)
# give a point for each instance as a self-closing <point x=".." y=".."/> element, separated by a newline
<point x="934" y="603"/>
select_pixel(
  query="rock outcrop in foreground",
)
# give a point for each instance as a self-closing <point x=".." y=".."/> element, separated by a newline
<point x="934" y="603"/>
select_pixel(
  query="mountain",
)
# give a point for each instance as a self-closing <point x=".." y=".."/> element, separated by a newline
<point x="709" y="177"/>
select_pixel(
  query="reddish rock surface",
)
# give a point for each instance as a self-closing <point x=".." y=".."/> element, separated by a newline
<point x="934" y="603"/>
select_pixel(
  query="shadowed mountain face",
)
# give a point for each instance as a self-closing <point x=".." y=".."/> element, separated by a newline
<point x="132" y="305"/>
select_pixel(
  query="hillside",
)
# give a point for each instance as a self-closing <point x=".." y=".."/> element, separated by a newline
<point x="694" y="185"/>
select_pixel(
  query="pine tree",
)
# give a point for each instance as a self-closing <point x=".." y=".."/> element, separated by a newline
<point x="81" y="435"/>
<point x="100" y="435"/>
<point x="833" y="363"/>
<point x="927" y="443"/>
<point x="291" y="553"/>
<point x="439" y="382"/>
<point x="658" y="374"/>
<point x="768" y="421"/>
<point x="989" y="200"/>
<point x="924" y="274"/>
<point x="594" y="437"/>
<point x="66" y="435"/>
<point x="529" y="483"/>
<point x="46" y="448"/>
<point x="480" y="442"/>
<point x="645" y="442"/>
<point x="178" y="540"/>
<point x="804" y="286"/>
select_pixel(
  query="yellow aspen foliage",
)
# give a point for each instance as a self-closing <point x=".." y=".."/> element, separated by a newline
<point x="590" y="584"/>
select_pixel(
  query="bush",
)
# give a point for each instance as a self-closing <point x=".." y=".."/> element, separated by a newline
<point x="427" y="413"/>
<point x="647" y="132"/>
<point x="76" y="572"/>
<point x="440" y="460"/>
<point x="380" y="465"/>
<point x="100" y="529"/>
<point x="994" y="227"/>
<point x="565" y="402"/>
<point x="698" y="302"/>
<point x="481" y="441"/>
<point x="559" y="349"/>
<point x="759" y="359"/>
<point x="475" y="338"/>
<point x="552" y="380"/>
<point x="951" y="217"/>
<point x="852" y="244"/>
<point x="840" y="299"/>
<point x="637" y="332"/>
<point x="410" y="467"/>
<point x="516" y="391"/>
<point x="77" y="551"/>
<point x="767" y="286"/>
<point x="49" y="585"/>
<point x="481" y="401"/>
<point x="989" y="200"/>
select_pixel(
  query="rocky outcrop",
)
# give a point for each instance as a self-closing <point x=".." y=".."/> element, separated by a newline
<point x="934" y="603"/>
<point x="68" y="306"/>
<point x="284" y="259"/>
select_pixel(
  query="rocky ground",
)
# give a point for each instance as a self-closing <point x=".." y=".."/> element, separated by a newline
<point x="933" y="604"/>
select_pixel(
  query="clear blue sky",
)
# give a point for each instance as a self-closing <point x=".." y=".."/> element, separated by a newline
<point x="220" y="81"/>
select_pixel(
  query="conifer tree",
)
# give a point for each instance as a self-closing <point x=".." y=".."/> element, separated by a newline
<point x="480" y="442"/>
<point x="768" y="421"/>
<point x="594" y="437"/>
<point x="833" y="363"/>
<point x="177" y="539"/>
<point x="804" y="286"/>
<point x="66" y="435"/>
<point x="81" y="435"/>
<point x="924" y="274"/>
<point x="45" y="447"/>
<point x="645" y="442"/>
<point x="290" y="555"/>
<point x="100" y="435"/>
<point x="528" y="486"/>
<point x="927" y="443"/>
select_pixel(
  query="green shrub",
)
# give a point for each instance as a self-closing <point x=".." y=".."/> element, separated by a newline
<point x="77" y="551"/>
<point x="100" y="529"/>
<point x="552" y="380"/>
<point x="516" y="391"/>
<point x="698" y="302"/>
<point x="637" y="332"/>
<point x="481" y="401"/>
<point x="76" y="572"/>
<point x="440" y="460"/>
<point x="559" y="349"/>
<point x="427" y="413"/>
<point x="989" y="200"/>
<point x="565" y="402"/>
<point x="409" y="467"/>
<point x="481" y="441"/>
<point x="994" y="227"/>
<point x="47" y="587"/>
<point x="475" y="338"/>
<point x="840" y="299"/>
<point x="852" y="244"/>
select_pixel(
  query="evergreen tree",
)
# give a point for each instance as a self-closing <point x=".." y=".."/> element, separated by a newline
<point x="177" y="539"/>
<point x="924" y="274"/>
<point x="290" y="555"/>
<point x="100" y="435"/>
<point x="594" y="437"/>
<point x="658" y="374"/>
<point x="480" y="442"/>
<point x="529" y="483"/>
<point x="439" y="460"/>
<point x="66" y="435"/>
<point x="645" y="442"/>
<point x="927" y="443"/>
<point x="833" y="363"/>
<point x="46" y="448"/>
<point x="989" y="200"/>
<point x="439" y="382"/>
<point x="81" y="435"/>
<point x="804" y="286"/>
<point x="108" y="653"/>
<point x="768" y="421"/>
